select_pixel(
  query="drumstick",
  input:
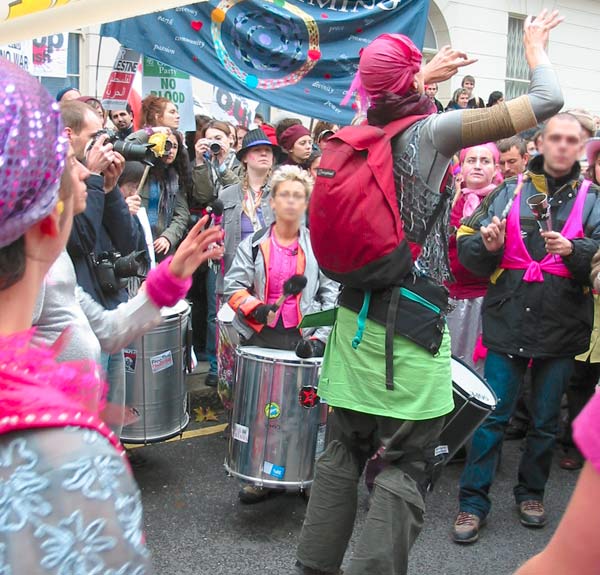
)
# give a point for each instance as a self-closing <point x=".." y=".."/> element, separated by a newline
<point x="520" y="183"/>
<point x="292" y="286"/>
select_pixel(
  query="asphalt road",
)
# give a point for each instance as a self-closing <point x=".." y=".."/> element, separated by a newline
<point x="195" y="525"/>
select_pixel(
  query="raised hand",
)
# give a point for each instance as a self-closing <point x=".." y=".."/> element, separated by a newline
<point x="445" y="64"/>
<point x="198" y="246"/>
<point x="493" y="234"/>
<point x="535" y="36"/>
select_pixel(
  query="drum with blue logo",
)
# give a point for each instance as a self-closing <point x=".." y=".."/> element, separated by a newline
<point x="278" y="422"/>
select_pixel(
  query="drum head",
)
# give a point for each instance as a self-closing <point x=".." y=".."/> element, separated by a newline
<point x="225" y="314"/>
<point x="181" y="307"/>
<point x="468" y="384"/>
<point x="275" y="355"/>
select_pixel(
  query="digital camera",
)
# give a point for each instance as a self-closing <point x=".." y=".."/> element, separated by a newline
<point x="113" y="269"/>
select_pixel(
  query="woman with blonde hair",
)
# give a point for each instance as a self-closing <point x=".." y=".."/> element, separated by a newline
<point x="246" y="206"/>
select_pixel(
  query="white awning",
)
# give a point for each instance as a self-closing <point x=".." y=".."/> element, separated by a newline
<point x="27" y="19"/>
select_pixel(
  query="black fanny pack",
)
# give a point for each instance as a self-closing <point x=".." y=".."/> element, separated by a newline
<point x="416" y="310"/>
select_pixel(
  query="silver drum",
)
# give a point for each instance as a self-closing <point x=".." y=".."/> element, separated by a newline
<point x="277" y="424"/>
<point x="155" y="380"/>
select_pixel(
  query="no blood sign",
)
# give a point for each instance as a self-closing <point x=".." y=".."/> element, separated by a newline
<point x="166" y="82"/>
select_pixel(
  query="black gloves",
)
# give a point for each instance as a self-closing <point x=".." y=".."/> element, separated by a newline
<point x="261" y="313"/>
<point x="306" y="348"/>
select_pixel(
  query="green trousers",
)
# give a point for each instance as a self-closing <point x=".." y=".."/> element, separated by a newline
<point x="395" y="516"/>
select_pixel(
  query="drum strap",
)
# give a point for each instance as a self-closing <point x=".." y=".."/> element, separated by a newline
<point x="390" y="328"/>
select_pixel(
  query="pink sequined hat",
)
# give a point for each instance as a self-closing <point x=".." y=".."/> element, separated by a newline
<point x="32" y="152"/>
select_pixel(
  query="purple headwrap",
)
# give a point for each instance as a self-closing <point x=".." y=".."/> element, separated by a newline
<point x="32" y="152"/>
<point x="388" y="64"/>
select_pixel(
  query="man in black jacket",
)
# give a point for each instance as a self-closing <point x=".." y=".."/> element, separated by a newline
<point x="105" y="227"/>
<point x="538" y="309"/>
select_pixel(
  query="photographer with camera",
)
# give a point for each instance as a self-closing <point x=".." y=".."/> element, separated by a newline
<point x="216" y="165"/>
<point x="165" y="189"/>
<point x="105" y="231"/>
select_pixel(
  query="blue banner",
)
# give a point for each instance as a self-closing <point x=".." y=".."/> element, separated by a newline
<point x="298" y="55"/>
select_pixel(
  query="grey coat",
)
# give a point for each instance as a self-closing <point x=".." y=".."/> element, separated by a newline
<point x="232" y="197"/>
<point x="319" y="294"/>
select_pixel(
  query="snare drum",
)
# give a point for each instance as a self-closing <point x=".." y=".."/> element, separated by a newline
<point x="473" y="402"/>
<point x="227" y="340"/>
<point x="155" y="383"/>
<point x="278" y="423"/>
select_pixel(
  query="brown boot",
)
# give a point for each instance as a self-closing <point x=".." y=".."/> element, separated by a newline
<point x="532" y="513"/>
<point x="466" y="527"/>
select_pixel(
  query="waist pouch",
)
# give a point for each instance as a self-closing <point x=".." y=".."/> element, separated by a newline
<point x="416" y="310"/>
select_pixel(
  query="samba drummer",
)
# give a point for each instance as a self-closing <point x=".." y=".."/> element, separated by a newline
<point x="274" y="281"/>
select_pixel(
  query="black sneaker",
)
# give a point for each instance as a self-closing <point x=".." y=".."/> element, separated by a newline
<point x="211" y="380"/>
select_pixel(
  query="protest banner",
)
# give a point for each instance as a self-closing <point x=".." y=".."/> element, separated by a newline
<point x="232" y="108"/>
<point x="299" y="55"/>
<point x="19" y="53"/>
<point x="168" y="82"/>
<point x="50" y="56"/>
<point x="120" y="80"/>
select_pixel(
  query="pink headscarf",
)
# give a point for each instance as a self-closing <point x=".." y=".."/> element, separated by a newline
<point x="489" y="145"/>
<point x="388" y="64"/>
<point x="474" y="197"/>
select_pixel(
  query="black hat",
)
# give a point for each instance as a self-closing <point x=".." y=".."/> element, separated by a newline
<point x="256" y="138"/>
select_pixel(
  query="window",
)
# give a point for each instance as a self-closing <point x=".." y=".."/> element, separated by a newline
<point x="517" y="70"/>
<point x="54" y="85"/>
<point x="430" y="42"/>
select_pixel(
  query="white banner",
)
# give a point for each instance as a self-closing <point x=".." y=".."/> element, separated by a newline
<point x="164" y="81"/>
<point x="50" y="56"/>
<point x="230" y="107"/>
<point x="18" y="53"/>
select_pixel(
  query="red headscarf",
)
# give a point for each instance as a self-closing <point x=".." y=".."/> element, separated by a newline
<point x="388" y="64"/>
<point x="292" y="135"/>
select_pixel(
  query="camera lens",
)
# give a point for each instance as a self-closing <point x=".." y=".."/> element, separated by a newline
<point x="168" y="147"/>
<point x="131" y="152"/>
<point x="215" y="148"/>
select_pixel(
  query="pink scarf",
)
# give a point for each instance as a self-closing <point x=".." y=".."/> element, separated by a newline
<point x="474" y="197"/>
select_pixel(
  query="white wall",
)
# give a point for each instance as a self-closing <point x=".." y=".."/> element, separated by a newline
<point x="479" y="27"/>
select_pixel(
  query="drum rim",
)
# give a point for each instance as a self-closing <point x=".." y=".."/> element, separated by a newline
<point x="182" y="307"/>
<point x="242" y="351"/>
<point x="473" y="398"/>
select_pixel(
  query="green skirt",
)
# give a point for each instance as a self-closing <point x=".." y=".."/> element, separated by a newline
<point x="355" y="378"/>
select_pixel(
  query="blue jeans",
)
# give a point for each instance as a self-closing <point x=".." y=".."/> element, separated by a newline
<point x="211" y="324"/>
<point x="504" y="375"/>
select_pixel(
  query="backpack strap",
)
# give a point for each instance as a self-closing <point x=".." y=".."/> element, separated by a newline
<point x="390" y="326"/>
<point x="401" y="124"/>
<point x="256" y="236"/>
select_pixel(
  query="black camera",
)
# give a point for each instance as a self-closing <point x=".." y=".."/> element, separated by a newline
<point x="130" y="151"/>
<point x="113" y="269"/>
<point x="215" y="148"/>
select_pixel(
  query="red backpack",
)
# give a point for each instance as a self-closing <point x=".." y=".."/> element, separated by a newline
<point x="355" y="224"/>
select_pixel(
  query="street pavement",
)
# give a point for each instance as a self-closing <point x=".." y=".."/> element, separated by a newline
<point x="195" y="524"/>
